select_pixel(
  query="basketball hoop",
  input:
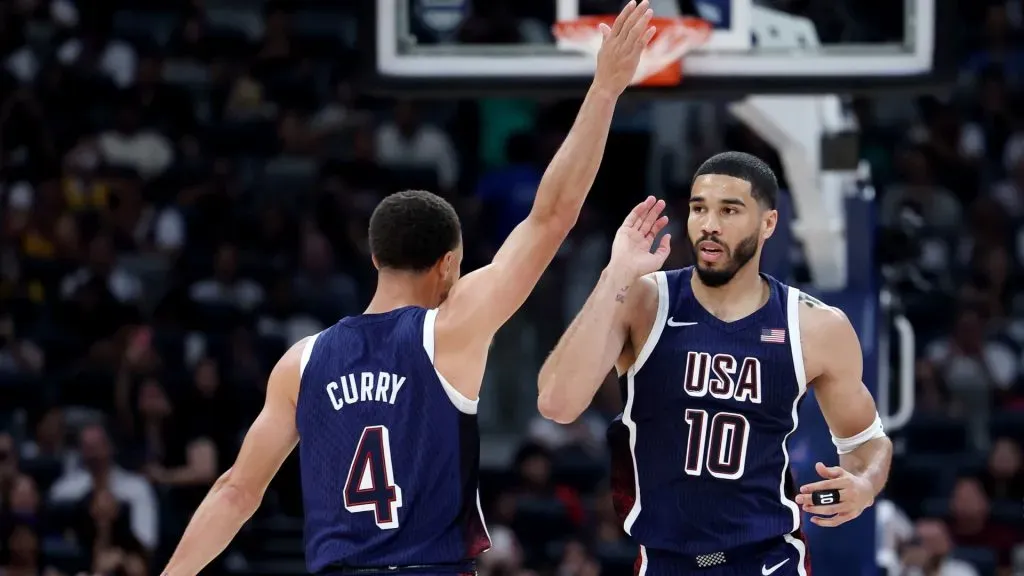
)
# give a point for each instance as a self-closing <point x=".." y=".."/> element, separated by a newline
<point x="659" y="65"/>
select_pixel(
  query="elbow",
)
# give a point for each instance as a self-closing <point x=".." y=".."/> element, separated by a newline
<point x="554" y="409"/>
<point x="239" y="497"/>
<point x="557" y="220"/>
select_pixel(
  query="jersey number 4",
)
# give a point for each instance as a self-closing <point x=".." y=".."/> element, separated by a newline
<point x="370" y="486"/>
<point x="723" y="449"/>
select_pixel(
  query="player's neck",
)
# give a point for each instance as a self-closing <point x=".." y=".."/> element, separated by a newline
<point x="400" y="289"/>
<point x="740" y="297"/>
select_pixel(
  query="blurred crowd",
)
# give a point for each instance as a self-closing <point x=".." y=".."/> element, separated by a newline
<point x="184" y="192"/>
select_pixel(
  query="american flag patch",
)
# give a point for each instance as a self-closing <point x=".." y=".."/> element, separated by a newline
<point x="773" y="335"/>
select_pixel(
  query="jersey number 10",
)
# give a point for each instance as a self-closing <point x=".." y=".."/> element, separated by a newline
<point x="370" y="486"/>
<point x="723" y="450"/>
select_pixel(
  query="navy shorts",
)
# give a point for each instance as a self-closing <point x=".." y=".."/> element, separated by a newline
<point x="783" y="556"/>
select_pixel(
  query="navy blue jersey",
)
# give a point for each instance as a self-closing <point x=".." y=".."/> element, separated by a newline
<point x="389" y="452"/>
<point x="699" y="456"/>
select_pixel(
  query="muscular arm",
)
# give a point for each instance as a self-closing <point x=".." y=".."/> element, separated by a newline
<point x="592" y="345"/>
<point x="833" y="352"/>
<point x="237" y="494"/>
<point x="486" y="298"/>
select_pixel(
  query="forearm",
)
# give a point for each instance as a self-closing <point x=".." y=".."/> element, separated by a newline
<point x="219" y="517"/>
<point x="572" y="171"/>
<point x="870" y="461"/>
<point x="585" y="354"/>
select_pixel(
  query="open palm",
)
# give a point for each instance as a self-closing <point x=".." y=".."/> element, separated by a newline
<point x="631" y="249"/>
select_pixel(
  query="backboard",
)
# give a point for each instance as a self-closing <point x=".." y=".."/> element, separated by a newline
<point x="758" y="46"/>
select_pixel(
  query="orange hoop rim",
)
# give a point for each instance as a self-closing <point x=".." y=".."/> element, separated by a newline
<point x="692" y="23"/>
<point x="680" y="35"/>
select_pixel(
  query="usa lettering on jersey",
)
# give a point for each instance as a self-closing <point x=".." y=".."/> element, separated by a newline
<point x="723" y="376"/>
<point x="717" y="442"/>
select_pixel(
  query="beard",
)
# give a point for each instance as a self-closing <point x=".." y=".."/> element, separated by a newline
<point x="734" y="260"/>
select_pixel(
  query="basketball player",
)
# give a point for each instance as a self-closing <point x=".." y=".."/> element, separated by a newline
<point x="385" y="402"/>
<point x="716" y="358"/>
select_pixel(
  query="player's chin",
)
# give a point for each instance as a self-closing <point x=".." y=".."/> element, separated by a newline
<point x="715" y="264"/>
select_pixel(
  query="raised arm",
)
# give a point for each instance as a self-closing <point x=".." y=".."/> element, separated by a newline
<point x="484" y="300"/>
<point x="237" y="494"/>
<point x="834" y="366"/>
<point x="623" y="302"/>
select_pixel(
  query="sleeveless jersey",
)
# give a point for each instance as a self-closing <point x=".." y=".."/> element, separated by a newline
<point x="699" y="459"/>
<point x="389" y="452"/>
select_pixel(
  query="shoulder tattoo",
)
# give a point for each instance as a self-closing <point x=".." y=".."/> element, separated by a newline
<point x="812" y="302"/>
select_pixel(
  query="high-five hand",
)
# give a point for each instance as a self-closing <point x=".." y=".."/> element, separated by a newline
<point x="631" y="249"/>
<point x="621" y="46"/>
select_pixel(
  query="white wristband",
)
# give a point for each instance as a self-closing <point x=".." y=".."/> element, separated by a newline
<point x="847" y="445"/>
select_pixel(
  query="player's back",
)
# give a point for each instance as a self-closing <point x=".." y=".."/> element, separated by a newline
<point x="389" y="452"/>
<point x="700" y="460"/>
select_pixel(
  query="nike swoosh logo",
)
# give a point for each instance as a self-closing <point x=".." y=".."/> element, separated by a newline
<point x="675" y="324"/>
<point x="765" y="571"/>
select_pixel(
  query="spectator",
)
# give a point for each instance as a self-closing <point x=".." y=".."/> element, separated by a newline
<point x="938" y="206"/>
<point x="94" y="51"/>
<point x="102" y="267"/>
<point x="50" y="442"/>
<point x="406" y="142"/>
<point x="129" y="145"/>
<point x="533" y="463"/>
<point x="17" y="355"/>
<point x="972" y="525"/>
<point x="1004" y="477"/>
<point x="8" y="465"/>
<point x="326" y="294"/>
<point x="928" y="554"/>
<point x="99" y="471"/>
<point x="21" y="505"/>
<point x="973" y="368"/>
<point x="104" y="532"/>
<point x="507" y="193"/>
<point x="282" y="317"/>
<point x="226" y="287"/>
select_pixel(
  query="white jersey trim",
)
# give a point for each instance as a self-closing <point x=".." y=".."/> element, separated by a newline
<point x="796" y="348"/>
<point x="307" y="353"/>
<point x="627" y="413"/>
<point x="461" y="403"/>
<point x="659" y="323"/>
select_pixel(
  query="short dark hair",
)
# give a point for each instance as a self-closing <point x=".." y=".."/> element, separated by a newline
<point x="763" y="185"/>
<point x="411" y="230"/>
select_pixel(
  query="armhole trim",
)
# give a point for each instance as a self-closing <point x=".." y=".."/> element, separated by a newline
<point x="307" y="353"/>
<point x="461" y="403"/>
<point x="795" y="345"/>
<point x="657" y="328"/>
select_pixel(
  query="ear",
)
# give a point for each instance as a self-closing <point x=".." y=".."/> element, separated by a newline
<point x="771" y="220"/>
<point x="375" y="263"/>
<point x="447" y="261"/>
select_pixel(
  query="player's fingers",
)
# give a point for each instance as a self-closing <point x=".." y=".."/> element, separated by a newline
<point x="659" y="225"/>
<point x="834" y="484"/>
<point x="635" y="17"/>
<point x="841" y="508"/>
<point x="649" y="35"/>
<point x="664" y="247"/>
<point x="623" y="16"/>
<point x="637" y="214"/>
<point x="638" y="27"/>
<point x="605" y="30"/>
<point x="651" y="217"/>
<point x="828" y="471"/>
<point x="833" y="521"/>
